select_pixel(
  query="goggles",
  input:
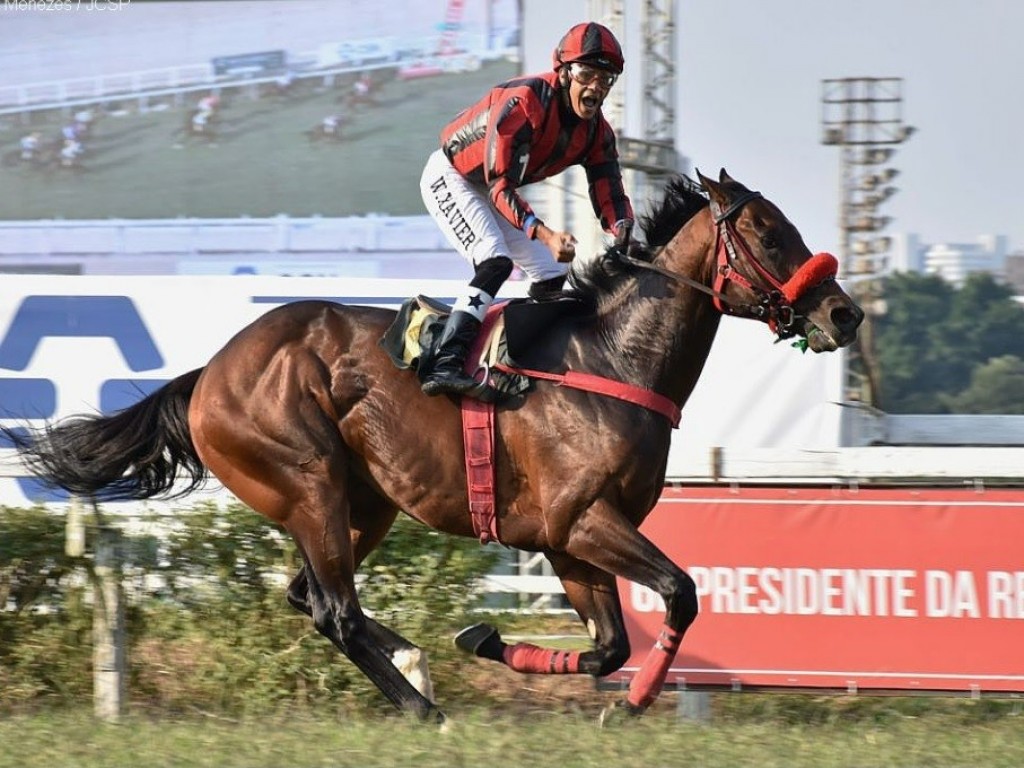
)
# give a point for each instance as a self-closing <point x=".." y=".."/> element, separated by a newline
<point x="584" y="74"/>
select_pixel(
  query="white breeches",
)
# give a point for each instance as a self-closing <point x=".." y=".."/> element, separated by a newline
<point x="474" y="228"/>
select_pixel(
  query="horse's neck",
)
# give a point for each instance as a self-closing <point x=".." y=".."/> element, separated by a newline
<point x="658" y="332"/>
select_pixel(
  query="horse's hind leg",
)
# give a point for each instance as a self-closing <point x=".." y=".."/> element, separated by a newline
<point x="370" y="518"/>
<point x="408" y="658"/>
<point x="310" y="498"/>
<point x="336" y="615"/>
<point x="259" y="421"/>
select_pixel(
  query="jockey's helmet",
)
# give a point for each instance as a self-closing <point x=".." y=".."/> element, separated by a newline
<point x="589" y="43"/>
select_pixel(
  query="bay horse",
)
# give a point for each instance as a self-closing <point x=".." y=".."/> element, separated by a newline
<point x="303" y="416"/>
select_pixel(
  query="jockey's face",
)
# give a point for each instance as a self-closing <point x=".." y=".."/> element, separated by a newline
<point x="587" y="88"/>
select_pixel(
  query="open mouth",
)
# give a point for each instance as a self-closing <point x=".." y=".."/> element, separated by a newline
<point x="819" y="341"/>
<point x="590" y="102"/>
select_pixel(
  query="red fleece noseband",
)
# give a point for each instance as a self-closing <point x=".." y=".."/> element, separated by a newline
<point x="817" y="269"/>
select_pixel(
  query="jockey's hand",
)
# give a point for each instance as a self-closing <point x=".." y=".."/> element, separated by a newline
<point x="561" y="244"/>
<point x="623" y="235"/>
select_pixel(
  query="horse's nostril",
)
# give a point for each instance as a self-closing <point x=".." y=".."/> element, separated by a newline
<point x="847" y="318"/>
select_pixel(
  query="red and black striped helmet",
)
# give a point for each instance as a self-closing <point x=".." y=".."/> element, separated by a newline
<point x="591" y="43"/>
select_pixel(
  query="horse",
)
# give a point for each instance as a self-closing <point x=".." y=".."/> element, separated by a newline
<point x="199" y="124"/>
<point x="304" y="417"/>
<point x="328" y="129"/>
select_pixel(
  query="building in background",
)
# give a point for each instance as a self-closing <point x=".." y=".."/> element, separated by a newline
<point x="953" y="262"/>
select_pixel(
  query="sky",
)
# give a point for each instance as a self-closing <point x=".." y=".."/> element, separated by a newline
<point x="750" y="83"/>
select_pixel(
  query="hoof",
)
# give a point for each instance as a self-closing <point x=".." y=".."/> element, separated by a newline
<point x="618" y="713"/>
<point x="445" y="725"/>
<point x="480" y="640"/>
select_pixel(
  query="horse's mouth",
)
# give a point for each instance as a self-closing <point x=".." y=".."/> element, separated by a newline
<point x="819" y="340"/>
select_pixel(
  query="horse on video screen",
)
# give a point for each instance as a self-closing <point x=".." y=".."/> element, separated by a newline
<point x="305" y="418"/>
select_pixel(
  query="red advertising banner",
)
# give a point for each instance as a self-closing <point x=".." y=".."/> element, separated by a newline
<point x="885" y="589"/>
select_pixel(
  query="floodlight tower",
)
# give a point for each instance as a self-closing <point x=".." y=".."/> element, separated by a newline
<point x="863" y="117"/>
<point x="643" y="105"/>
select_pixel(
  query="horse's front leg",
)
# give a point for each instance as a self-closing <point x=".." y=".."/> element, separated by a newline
<point x="604" y="538"/>
<point x="593" y="594"/>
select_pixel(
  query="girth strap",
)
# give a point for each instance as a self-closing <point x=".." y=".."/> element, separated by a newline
<point x="478" y="436"/>
<point x="588" y="382"/>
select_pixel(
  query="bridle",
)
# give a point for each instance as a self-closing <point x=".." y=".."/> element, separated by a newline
<point x="775" y="299"/>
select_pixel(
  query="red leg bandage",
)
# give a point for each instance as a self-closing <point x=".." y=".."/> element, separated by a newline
<point x="645" y="687"/>
<point x="524" y="657"/>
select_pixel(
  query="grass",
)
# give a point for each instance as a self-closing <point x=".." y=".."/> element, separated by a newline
<point x="262" y="163"/>
<point x="500" y="718"/>
<point x="479" y="738"/>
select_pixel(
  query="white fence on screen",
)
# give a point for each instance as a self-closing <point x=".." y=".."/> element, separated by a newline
<point x="372" y="234"/>
<point x="145" y="86"/>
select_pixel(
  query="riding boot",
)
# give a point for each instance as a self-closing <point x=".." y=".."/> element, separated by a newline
<point x="447" y="376"/>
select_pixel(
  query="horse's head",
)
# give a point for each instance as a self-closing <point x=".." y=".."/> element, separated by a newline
<point x="764" y="271"/>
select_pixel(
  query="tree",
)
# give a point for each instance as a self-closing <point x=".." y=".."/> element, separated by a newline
<point x="996" y="387"/>
<point x="933" y="337"/>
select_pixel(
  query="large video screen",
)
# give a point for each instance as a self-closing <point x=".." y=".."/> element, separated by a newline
<point x="155" y="110"/>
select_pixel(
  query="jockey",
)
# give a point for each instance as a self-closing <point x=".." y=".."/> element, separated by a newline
<point x="363" y="86"/>
<point x="522" y="131"/>
<point x="83" y="121"/>
<point x="69" y="153"/>
<point x="29" y="146"/>
<point x="199" y="120"/>
<point x="209" y="104"/>
<point x="330" y="124"/>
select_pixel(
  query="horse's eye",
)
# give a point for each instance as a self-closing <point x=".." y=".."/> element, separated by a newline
<point x="769" y="241"/>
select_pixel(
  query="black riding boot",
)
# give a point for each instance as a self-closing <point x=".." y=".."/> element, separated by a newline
<point x="447" y="376"/>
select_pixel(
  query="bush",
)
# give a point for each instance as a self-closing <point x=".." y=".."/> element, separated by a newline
<point x="208" y="625"/>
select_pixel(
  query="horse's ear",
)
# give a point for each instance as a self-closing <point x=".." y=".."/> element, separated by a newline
<point x="712" y="187"/>
<point x="709" y="185"/>
<point x="724" y="177"/>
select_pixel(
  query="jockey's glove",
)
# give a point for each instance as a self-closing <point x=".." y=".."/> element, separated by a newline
<point x="623" y="234"/>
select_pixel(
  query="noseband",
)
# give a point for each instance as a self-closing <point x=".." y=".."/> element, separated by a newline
<point x="774" y="299"/>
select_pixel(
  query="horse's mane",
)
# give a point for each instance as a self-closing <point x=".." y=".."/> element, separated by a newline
<point x="682" y="200"/>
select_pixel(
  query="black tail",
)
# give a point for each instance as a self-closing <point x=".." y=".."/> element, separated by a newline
<point x="136" y="453"/>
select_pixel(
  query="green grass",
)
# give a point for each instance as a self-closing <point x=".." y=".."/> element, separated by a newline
<point x="479" y="738"/>
<point x="262" y="163"/>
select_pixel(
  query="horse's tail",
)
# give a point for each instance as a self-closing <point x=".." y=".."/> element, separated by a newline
<point x="137" y="453"/>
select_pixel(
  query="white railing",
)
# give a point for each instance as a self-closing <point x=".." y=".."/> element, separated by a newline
<point x="881" y="465"/>
<point x="34" y="98"/>
<point x="938" y="463"/>
<point x="175" y="81"/>
<point x="278" y="234"/>
<point x="90" y="89"/>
